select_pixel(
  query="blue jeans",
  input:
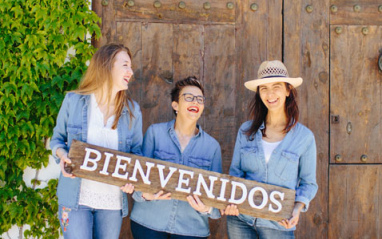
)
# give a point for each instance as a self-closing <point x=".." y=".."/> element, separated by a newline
<point x="237" y="229"/>
<point x="89" y="223"/>
<point x="142" y="232"/>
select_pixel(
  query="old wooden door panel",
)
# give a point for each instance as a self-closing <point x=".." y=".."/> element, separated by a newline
<point x="170" y="10"/>
<point x="222" y="46"/>
<point x="356" y="12"/>
<point x="356" y="94"/>
<point x="306" y="54"/>
<point x="355" y="195"/>
<point x="219" y="82"/>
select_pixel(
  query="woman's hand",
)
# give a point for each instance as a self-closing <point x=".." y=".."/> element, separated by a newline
<point x="63" y="161"/>
<point x="128" y="188"/>
<point x="230" y="210"/>
<point x="158" y="196"/>
<point x="198" y="205"/>
<point x="293" y="221"/>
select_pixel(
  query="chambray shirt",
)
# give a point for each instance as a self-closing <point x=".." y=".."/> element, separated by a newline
<point x="176" y="216"/>
<point x="291" y="165"/>
<point x="72" y="123"/>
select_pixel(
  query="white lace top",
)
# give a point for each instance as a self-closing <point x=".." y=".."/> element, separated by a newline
<point x="268" y="149"/>
<point x="96" y="194"/>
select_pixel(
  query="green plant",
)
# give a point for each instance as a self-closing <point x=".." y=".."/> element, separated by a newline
<point x="35" y="71"/>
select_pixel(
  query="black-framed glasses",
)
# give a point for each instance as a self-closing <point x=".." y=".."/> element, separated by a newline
<point x="190" y="97"/>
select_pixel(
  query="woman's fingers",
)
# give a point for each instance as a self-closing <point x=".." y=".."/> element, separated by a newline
<point x="63" y="161"/>
<point x="197" y="204"/>
<point x="128" y="188"/>
<point x="157" y="196"/>
<point x="231" y="210"/>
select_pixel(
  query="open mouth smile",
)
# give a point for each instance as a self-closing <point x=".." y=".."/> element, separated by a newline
<point x="193" y="109"/>
<point x="273" y="101"/>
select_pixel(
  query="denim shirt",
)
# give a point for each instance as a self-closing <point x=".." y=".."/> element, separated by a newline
<point x="72" y="123"/>
<point x="176" y="216"/>
<point x="291" y="165"/>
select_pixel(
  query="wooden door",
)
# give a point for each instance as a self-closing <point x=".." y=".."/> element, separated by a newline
<point x="220" y="42"/>
<point x="355" y="193"/>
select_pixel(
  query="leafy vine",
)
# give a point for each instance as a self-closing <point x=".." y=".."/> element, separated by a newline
<point x="35" y="71"/>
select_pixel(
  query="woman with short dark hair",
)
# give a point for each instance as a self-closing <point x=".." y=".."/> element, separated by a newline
<point x="180" y="141"/>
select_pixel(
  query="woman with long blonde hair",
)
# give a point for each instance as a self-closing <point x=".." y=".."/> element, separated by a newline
<point x="99" y="112"/>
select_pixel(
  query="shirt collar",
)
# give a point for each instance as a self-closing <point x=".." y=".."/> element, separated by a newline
<point x="171" y="127"/>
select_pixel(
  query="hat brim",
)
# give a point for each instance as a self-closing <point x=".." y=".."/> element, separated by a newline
<point x="253" y="84"/>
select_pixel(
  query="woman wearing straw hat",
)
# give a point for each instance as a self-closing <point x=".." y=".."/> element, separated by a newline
<point x="273" y="148"/>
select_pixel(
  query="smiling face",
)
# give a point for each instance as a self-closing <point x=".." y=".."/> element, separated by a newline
<point x="121" y="72"/>
<point x="191" y="110"/>
<point x="274" y="95"/>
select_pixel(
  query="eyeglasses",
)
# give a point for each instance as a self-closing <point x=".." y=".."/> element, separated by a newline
<point x="190" y="97"/>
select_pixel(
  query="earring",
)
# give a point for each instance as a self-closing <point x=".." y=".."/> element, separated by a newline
<point x="176" y="112"/>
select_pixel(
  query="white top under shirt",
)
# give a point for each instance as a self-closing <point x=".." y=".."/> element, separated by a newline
<point x="96" y="194"/>
<point x="268" y="149"/>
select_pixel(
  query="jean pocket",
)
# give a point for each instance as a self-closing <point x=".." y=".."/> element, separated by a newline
<point x="198" y="162"/>
<point x="287" y="168"/>
<point x="165" y="156"/>
<point x="249" y="159"/>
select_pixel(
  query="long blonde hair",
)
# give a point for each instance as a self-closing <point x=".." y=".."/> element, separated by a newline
<point x="99" y="73"/>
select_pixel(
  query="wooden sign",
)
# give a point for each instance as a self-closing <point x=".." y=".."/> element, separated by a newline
<point x="152" y="175"/>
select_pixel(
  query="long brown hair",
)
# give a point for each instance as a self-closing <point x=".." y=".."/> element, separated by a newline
<point x="258" y="112"/>
<point x="99" y="73"/>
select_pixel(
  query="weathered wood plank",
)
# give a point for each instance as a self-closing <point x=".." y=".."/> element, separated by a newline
<point x="356" y="94"/>
<point x="219" y="80"/>
<point x="306" y="54"/>
<point x="354" y="201"/>
<point x="157" y="73"/>
<point x="151" y="175"/>
<point x="188" y="51"/>
<point x="346" y="15"/>
<point x="169" y="10"/>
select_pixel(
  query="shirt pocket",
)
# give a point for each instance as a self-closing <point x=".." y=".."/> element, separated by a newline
<point x="128" y="145"/>
<point x="74" y="132"/>
<point x="249" y="160"/>
<point x="287" y="167"/>
<point x="165" y="156"/>
<point x="198" y="162"/>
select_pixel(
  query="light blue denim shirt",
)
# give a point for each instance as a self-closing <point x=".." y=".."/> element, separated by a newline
<point x="176" y="216"/>
<point x="72" y="123"/>
<point x="292" y="165"/>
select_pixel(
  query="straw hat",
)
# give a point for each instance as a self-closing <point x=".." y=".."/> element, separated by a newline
<point x="272" y="71"/>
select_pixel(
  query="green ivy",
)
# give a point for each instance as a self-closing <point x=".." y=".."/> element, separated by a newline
<point x="35" y="72"/>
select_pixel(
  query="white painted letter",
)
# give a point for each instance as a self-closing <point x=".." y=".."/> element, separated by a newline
<point x="181" y="181"/>
<point x="119" y="166"/>
<point x="138" y="167"/>
<point x="209" y="191"/>
<point x="273" y="199"/>
<point x="164" y="181"/>
<point x="222" y="190"/>
<point x="106" y="164"/>
<point x="233" y="193"/>
<point x="87" y="159"/>
<point x="252" y="194"/>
